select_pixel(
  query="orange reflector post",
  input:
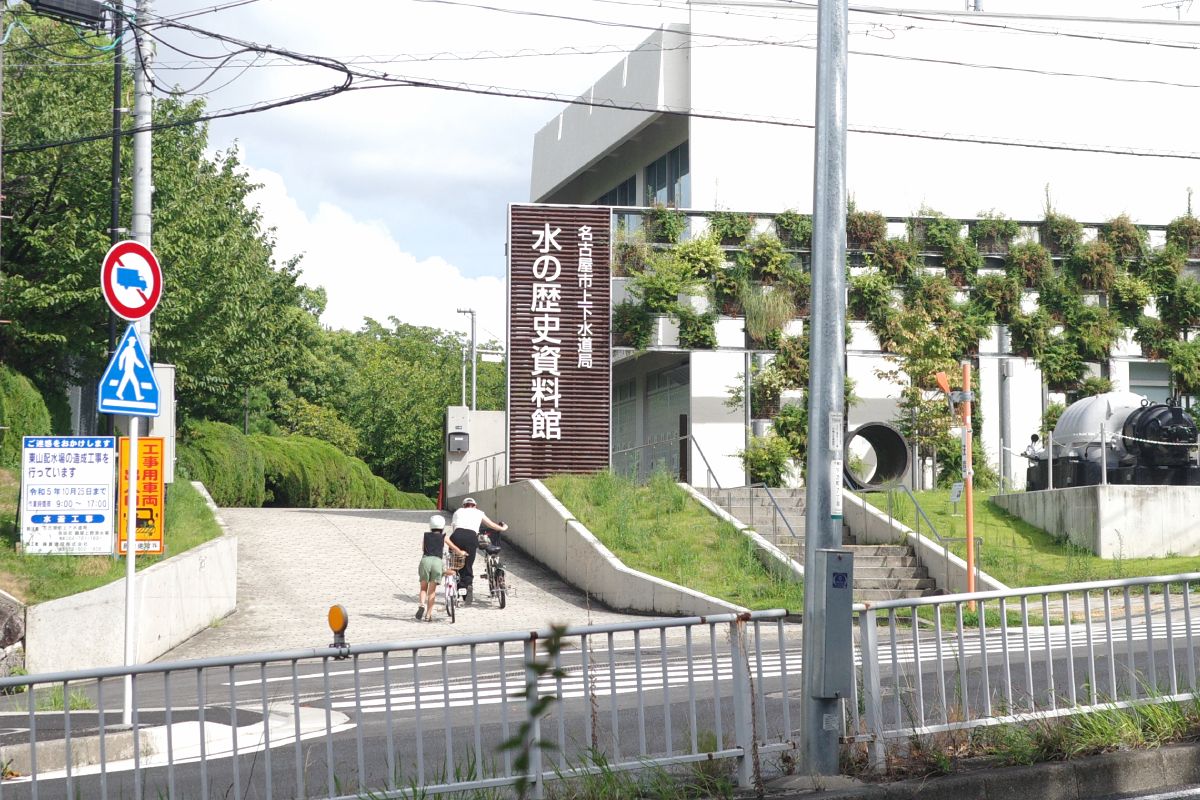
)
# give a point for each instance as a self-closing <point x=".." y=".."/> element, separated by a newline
<point x="338" y="619"/>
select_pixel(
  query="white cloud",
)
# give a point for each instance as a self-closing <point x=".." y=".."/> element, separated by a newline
<point x="367" y="273"/>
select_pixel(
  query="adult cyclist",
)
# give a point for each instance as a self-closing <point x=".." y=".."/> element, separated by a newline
<point x="465" y="524"/>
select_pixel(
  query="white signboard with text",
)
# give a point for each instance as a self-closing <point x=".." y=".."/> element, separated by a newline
<point x="67" y="494"/>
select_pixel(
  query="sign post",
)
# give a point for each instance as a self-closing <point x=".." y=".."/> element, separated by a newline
<point x="131" y="280"/>
<point x="968" y="473"/>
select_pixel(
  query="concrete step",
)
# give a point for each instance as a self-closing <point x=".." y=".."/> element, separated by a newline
<point x="894" y="583"/>
<point x="759" y="513"/>
<point x="885" y="573"/>
<point x="880" y="562"/>
<point x="881" y="550"/>
<point x="877" y="595"/>
<point x="743" y="492"/>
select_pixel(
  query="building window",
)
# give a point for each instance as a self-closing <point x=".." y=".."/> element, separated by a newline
<point x="668" y="181"/>
<point x="1151" y="379"/>
<point x="623" y="194"/>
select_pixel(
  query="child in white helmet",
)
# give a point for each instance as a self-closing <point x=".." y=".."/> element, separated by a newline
<point x="429" y="572"/>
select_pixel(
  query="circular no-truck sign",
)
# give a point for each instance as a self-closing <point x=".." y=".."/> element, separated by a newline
<point x="131" y="280"/>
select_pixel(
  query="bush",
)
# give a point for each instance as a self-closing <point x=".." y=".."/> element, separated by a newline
<point x="1162" y="267"/>
<point x="1059" y="233"/>
<point x="696" y="331"/>
<point x="1094" y="385"/>
<point x="702" y="256"/>
<point x="766" y="459"/>
<point x="1127" y="240"/>
<point x="1153" y="336"/>
<point x="730" y="227"/>
<point x="865" y="230"/>
<point x="794" y="229"/>
<point x="1062" y="366"/>
<point x="220" y="457"/>
<point x="764" y="258"/>
<point x="665" y="278"/>
<point x="1093" y="266"/>
<point x="1128" y="298"/>
<point x="997" y="297"/>
<point x="23" y="411"/>
<point x="632" y="325"/>
<point x="1184" y="360"/>
<point x="993" y="232"/>
<point x="1184" y="232"/>
<point x="870" y="296"/>
<point x="1030" y="263"/>
<point x="897" y="258"/>
<point x="664" y="224"/>
<point x="1179" y="308"/>
<point x="1050" y="416"/>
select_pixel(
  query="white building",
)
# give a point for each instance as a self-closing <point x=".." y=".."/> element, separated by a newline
<point x="600" y="155"/>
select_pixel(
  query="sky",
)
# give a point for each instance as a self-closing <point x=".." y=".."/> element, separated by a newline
<point x="396" y="197"/>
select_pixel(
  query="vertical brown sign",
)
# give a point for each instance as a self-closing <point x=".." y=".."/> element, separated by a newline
<point x="559" y="312"/>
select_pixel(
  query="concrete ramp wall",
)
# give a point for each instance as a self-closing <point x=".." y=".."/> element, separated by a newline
<point x="1115" y="521"/>
<point x="543" y="527"/>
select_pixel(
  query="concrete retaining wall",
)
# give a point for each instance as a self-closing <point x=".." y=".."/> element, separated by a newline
<point x="775" y="560"/>
<point x="869" y="525"/>
<point x="176" y="599"/>
<point x="543" y="527"/>
<point x="1115" y="521"/>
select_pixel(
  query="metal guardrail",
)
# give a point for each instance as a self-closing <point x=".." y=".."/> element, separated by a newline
<point x="1019" y="655"/>
<point x="415" y="718"/>
<point x="487" y="472"/>
<point x="943" y="541"/>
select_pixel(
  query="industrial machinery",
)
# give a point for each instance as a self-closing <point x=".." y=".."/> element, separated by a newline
<point x="1135" y="440"/>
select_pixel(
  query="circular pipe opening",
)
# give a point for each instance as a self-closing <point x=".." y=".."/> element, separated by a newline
<point x="886" y="456"/>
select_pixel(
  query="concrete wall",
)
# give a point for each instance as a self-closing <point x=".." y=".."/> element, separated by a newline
<point x="542" y="527"/>
<point x="484" y="465"/>
<point x="176" y="599"/>
<point x="717" y="430"/>
<point x="1116" y="521"/>
<point x="869" y="525"/>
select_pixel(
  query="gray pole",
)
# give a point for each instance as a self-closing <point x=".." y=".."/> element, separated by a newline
<point x="474" y="364"/>
<point x="821" y="724"/>
<point x="746" y="378"/>
<point x="1005" y="410"/>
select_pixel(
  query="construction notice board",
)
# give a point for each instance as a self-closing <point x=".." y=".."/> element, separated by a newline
<point x="150" y="496"/>
<point x="67" y="494"/>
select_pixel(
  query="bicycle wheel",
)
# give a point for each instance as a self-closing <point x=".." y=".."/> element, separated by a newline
<point x="500" y="591"/>
<point x="451" y="588"/>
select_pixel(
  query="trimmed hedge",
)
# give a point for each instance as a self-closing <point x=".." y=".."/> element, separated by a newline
<point x="286" y="471"/>
<point x="23" y="411"/>
<point x="220" y="457"/>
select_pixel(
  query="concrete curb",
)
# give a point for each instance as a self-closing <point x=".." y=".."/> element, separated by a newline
<point x="1080" y="779"/>
<point x="774" y="559"/>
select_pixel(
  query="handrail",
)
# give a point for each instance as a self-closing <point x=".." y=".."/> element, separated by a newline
<point x="711" y="474"/>
<point x="778" y="509"/>
<point x="943" y="541"/>
<point x="469" y="470"/>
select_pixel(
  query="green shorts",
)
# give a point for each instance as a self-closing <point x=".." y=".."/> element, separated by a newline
<point x="430" y="570"/>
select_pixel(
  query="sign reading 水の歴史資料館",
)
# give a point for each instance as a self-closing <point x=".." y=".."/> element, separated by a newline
<point x="67" y="497"/>
<point x="559" y="376"/>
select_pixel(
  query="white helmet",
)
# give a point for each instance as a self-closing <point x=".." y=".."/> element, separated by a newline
<point x="437" y="522"/>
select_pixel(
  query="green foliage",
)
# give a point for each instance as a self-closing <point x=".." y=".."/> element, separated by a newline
<point x="791" y="361"/>
<point x="791" y="425"/>
<point x="1093" y="331"/>
<point x="664" y="224"/>
<point x="898" y="258"/>
<point x="794" y="229"/>
<point x="932" y="295"/>
<point x="767" y="311"/>
<point x="1030" y="263"/>
<point x="220" y="457"/>
<point x="870" y="296"/>
<point x="766" y="459"/>
<point x="730" y="227"/>
<point x="996" y="298"/>
<point x="696" y="331"/>
<point x="961" y="260"/>
<point x="665" y="278"/>
<point x="702" y="256"/>
<point x="1062" y="366"/>
<point x="1153" y="336"/>
<point x="933" y="230"/>
<point x="23" y="412"/>
<point x="632" y="325"/>
<point x="318" y="422"/>
<point x="1128" y="298"/>
<point x="1162" y="268"/>
<point x="301" y="472"/>
<point x="1050" y="416"/>
<point x="799" y="282"/>
<point x="1030" y="333"/>
<point x="764" y="258"/>
<point x="1184" y="233"/>
<point x="1093" y="265"/>
<point x="1179" y="307"/>
<point x="993" y="232"/>
<point x="1127" y="240"/>
<point x="631" y="253"/>
<point x="865" y="230"/>
<point x="1094" y="385"/>
<point x="1184" y="361"/>
<point x="1059" y="298"/>
<point x="727" y="286"/>
<point x="1059" y="233"/>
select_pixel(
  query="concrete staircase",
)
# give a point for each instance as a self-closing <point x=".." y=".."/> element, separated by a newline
<point x="881" y="572"/>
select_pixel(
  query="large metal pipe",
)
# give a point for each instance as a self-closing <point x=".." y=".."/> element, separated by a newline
<point x="892" y="456"/>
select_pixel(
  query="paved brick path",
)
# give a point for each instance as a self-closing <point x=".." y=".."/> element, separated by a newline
<point x="294" y="563"/>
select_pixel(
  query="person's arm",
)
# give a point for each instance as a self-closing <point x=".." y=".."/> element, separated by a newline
<point x="451" y="544"/>
<point x="498" y="526"/>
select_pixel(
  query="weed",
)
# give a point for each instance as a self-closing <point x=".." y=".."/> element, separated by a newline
<point x="53" y="700"/>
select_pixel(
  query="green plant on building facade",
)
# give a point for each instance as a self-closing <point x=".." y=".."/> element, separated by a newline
<point x="929" y="297"/>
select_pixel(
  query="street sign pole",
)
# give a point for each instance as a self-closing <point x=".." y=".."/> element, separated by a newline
<point x="131" y="570"/>
<point x="968" y="475"/>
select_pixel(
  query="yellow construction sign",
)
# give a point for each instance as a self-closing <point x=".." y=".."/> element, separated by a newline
<point x="149" y="496"/>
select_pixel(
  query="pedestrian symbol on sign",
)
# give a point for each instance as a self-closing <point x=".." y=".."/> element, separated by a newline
<point x="127" y="385"/>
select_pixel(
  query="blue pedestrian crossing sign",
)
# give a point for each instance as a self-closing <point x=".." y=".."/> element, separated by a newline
<point x="128" y="385"/>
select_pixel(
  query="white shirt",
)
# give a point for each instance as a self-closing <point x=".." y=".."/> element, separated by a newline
<point x="467" y="517"/>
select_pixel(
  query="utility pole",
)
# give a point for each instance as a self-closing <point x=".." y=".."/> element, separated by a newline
<point x="826" y="404"/>
<point x="114" y="219"/>
<point x="143" y="191"/>
<point x="474" y="366"/>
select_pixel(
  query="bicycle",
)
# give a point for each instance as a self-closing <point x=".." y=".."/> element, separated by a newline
<point x="452" y="563"/>
<point x="493" y="568"/>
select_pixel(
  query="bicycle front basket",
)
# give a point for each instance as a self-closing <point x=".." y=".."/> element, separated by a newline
<point x="456" y="560"/>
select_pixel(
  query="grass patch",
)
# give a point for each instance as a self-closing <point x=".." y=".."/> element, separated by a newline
<point x="54" y="700"/>
<point x="1019" y="554"/>
<point x="659" y="529"/>
<point x="37" y="578"/>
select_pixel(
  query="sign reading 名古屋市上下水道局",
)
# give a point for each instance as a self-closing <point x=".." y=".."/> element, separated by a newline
<point x="559" y="377"/>
<point x="67" y="497"/>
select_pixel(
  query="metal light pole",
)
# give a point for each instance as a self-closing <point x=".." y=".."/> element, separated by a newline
<point x="114" y="221"/>
<point x="822" y="715"/>
<point x="471" y="311"/>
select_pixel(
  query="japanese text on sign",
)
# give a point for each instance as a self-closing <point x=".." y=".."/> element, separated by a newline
<point x="547" y="344"/>
<point x="149" y="497"/>
<point x="67" y="494"/>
